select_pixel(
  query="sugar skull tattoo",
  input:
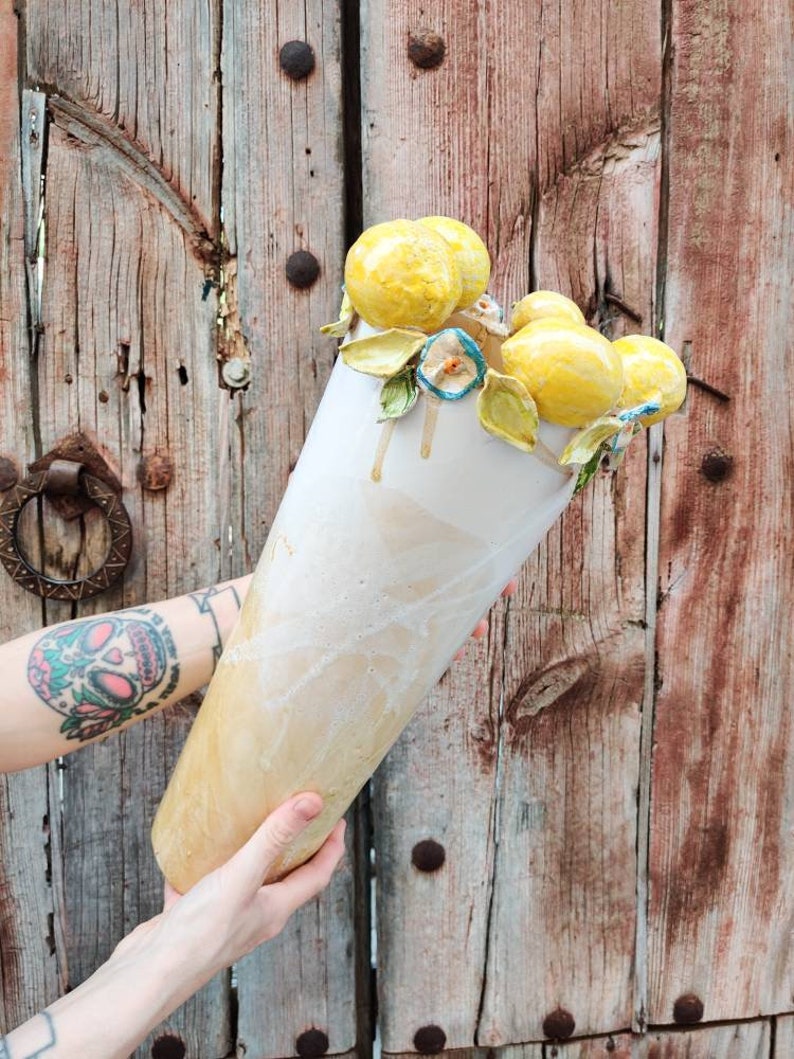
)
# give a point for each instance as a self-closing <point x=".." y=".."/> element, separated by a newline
<point x="98" y="674"/>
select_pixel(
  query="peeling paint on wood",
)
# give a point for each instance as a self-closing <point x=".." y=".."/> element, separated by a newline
<point x="722" y="858"/>
<point x="536" y="806"/>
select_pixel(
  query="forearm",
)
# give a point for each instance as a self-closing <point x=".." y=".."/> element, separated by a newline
<point x="167" y="959"/>
<point x="114" y="1010"/>
<point x="73" y="683"/>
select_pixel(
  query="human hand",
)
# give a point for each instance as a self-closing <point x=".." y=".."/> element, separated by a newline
<point x="481" y="628"/>
<point x="229" y="912"/>
<point x="164" y="961"/>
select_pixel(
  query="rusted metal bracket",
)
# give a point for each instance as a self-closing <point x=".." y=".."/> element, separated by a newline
<point x="76" y="448"/>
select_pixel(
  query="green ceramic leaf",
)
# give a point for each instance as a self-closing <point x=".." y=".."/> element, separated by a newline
<point x="583" y="446"/>
<point x="384" y="354"/>
<point x="398" y="395"/>
<point x="506" y="410"/>
<point x="588" y="471"/>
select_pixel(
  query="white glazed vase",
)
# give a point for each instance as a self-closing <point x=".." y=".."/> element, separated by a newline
<point x="377" y="567"/>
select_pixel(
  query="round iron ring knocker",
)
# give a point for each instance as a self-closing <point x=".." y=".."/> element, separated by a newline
<point x="64" y="478"/>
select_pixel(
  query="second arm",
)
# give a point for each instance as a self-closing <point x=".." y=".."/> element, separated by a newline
<point x="72" y="683"/>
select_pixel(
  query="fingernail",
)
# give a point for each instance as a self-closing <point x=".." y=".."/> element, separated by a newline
<point x="308" y="808"/>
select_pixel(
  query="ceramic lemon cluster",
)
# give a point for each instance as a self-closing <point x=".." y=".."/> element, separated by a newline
<point x="421" y="286"/>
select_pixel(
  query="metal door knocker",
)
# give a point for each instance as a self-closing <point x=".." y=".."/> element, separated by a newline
<point x="65" y="478"/>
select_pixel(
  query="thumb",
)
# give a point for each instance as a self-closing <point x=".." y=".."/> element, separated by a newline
<point x="273" y="837"/>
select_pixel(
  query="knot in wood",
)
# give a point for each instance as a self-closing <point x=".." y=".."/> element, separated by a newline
<point x="429" y="1040"/>
<point x="302" y="269"/>
<point x="311" y="1044"/>
<point x="296" y="59"/>
<point x="9" y="475"/>
<point x="426" y="49"/>
<point x="688" y="1009"/>
<point x="716" y="465"/>
<point x="155" y="471"/>
<point x="428" y="855"/>
<point x="559" y="1024"/>
<point x="169" y="1047"/>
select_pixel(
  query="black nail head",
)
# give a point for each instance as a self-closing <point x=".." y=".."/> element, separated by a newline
<point x="311" y="1044"/>
<point x="426" y="50"/>
<point x="688" y="1009"/>
<point x="429" y="1040"/>
<point x="559" y="1024"/>
<point x="9" y="475"/>
<point x="169" y="1047"/>
<point x="716" y="465"/>
<point x="428" y="855"/>
<point x="302" y="269"/>
<point x="297" y="59"/>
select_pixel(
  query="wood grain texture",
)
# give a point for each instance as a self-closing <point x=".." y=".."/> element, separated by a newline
<point x="741" y="1041"/>
<point x="283" y="192"/>
<point x="722" y="905"/>
<point x="784" y="1037"/>
<point x="526" y="761"/>
<point x="149" y="71"/>
<point x="517" y="1051"/>
<point x="563" y="912"/>
<point x="28" y="964"/>
<point x="128" y="358"/>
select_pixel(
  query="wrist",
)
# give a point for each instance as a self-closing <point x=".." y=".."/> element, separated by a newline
<point x="108" y="1015"/>
<point x="173" y="967"/>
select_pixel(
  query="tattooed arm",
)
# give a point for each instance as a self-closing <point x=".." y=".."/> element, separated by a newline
<point x="72" y="683"/>
<point x="164" y="961"/>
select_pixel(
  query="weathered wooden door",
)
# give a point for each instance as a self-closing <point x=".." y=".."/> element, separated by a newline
<point x="587" y="830"/>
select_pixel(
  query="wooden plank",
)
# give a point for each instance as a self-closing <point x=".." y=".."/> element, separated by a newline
<point x="784" y="1037"/>
<point x="739" y="1041"/>
<point x="565" y="874"/>
<point x="516" y="1051"/>
<point x="431" y="122"/>
<point x="129" y="315"/>
<point x="29" y="973"/>
<point x="722" y="816"/>
<point x="539" y="883"/>
<point x="283" y="192"/>
<point x="149" y="71"/>
<point x="28" y="964"/>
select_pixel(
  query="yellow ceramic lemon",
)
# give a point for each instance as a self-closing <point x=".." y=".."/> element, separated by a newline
<point x="542" y="305"/>
<point x="471" y="254"/>
<point x="652" y="371"/>
<point x="574" y="374"/>
<point x="402" y="274"/>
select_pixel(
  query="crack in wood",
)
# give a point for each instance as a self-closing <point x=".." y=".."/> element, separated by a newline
<point x="618" y="147"/>
<point x="119" y="152"/>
